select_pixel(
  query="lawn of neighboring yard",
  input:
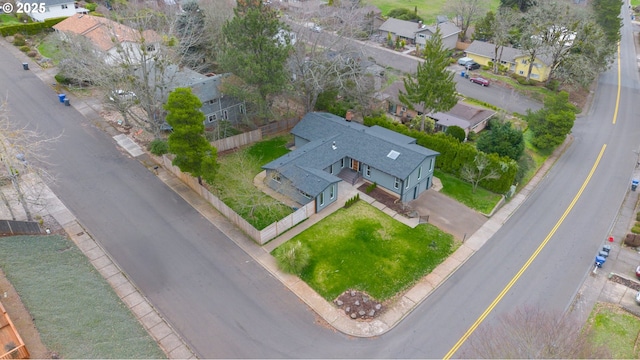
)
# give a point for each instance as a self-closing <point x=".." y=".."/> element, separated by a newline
<point x="428" y="10"/>
<point x="76" y="312"/>
<point x="7" y="19"/>
<point x="482" y="200"/>
<point x="234" y="182"/>
<point x="364" y="249"/>
<point x="617" y="329"/>
<point x="48" y="48"/>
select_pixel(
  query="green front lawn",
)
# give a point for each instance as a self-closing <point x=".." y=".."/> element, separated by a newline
<point x="234" y="182"/>
<point x="76" y="312"/>
<point x="427" y="10"/>
<point x="617" y="329"/>
<point x="8" y="19"/>
<point x="362" y="248"/>
<point x="49" y="48"/>
<point x="482" y="200"/>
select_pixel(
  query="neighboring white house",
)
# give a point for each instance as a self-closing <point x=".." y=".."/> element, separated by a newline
<point x="116" y="41"/>
<point x="54" y="9"/>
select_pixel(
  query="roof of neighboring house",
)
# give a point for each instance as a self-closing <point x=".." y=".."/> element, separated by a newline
<point x="393" y="92"/>
<point x="333" y="138"/>
<point x="462" y="115"/>
<point x="446" y="29"/>
<point x="399" y="27"/>
<point x="102" y="32"/>
<point x="54" y="2"/>
<point x="509" y="54"/>
<point x="408" y="29"/>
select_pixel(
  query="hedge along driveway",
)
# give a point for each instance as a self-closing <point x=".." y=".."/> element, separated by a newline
<point x="362" y="248"/>
<point x="75" y="310"/>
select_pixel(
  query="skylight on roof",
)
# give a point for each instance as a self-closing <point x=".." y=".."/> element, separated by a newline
<point x="393" y="154"/>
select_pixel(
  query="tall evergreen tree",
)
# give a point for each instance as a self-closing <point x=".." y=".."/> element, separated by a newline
<point x="607" y="14"/>
<point x="257" y="46"/>
<point x="432" y="86"/>
<point x="193" y="153"/>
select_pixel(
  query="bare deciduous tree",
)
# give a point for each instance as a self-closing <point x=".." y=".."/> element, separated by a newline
<point x="531" y="333"/>
<point x="479" y="171"/>
<point x="22" y="153"/>
<point x="465" y="12"/>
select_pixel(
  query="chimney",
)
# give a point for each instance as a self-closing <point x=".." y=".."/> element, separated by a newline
<point x="349" y="116"/>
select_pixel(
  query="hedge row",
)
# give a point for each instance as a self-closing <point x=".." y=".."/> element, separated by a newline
<point x="454" y="155"/>
<point x="30" y="28"/>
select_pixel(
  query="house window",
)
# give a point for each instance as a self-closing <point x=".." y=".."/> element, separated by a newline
<point x="64" y="6"/>
<point x="431" y="164"/>
<point x="524" y="61"/>
<point x="342" y="163"/>
<point x="151" y="48"/>
<point x="408" y="182"/>
<point x="213" y="101"/>
<point x="225" y="115"/>
<point x="211" y="118"/>
<point x="331" y="169"/>
<point x="321" y="198"/>
<point x="332" y="191"/>
<point x="304" y="194"/>
<point x="404" y="108"/>
<point x="521" y="72"/>
<point x="396" y="183"/>
<point x="420" y="173"/>
<point x="367" y="171"/>
<point x="275" y="176"/>
<point x="535" y="76"/>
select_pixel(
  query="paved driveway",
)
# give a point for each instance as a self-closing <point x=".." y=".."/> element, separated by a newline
<point x="447" y="214"/>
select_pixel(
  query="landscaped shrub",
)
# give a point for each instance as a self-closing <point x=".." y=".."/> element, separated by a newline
<point x="32" y="53"/>
<point x="370" y="188"/>
<point x="636" y="229"/>
<point x="638" y="216"/>
<point x="457" y="132"/>
<point x="91" y="6"/>
<point x="61" y="79"/>
<point x="158" y="147"/>
<point x="553" y="85"/>
<point x="352" y="201"/>
<point x="25" y="48"/>
<point x="30" y="28"/>
<point x="293" y="257"/>
<point x="18" y="40"/>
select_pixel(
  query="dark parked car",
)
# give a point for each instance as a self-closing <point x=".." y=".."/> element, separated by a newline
<point x="479" y="80"/>
<point x="472" y="65"/>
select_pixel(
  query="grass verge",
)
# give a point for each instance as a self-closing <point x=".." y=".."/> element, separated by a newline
<point x="8" y="19"/>
<point x="77" y="313"/>
<point x="234" y="182"/>
<point x="482" y="200"/>
<point x="615" y="328"/>
<point x="48" y="48"/>
<point x="427" y="10"/>
<point x="362" y="248"/>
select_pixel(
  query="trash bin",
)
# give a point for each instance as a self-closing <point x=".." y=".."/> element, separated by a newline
<point x="462" y="73"/>
<point x="61" y="97"/>
<point x="25" y="66"/>
<point x="67" y="102"/>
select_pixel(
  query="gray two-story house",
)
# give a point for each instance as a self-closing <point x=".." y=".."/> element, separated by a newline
<point x="330" y="149"/>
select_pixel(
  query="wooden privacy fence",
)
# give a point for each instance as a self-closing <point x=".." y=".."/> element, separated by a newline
<point x="12" y="345"/>
<point x="12" y="227"/>
<point x="260" y="236"/>
<point x="236" y="141"/>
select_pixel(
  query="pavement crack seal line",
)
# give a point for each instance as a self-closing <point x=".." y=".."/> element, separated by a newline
<point x="533" y="256"/>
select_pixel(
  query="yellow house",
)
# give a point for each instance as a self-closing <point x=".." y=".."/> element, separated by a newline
<point x="513" y="59"/>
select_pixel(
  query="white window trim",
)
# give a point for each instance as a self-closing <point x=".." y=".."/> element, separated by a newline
<point x="367" y="171"/>
<point x="396" y="183"/>
<point x="420" y="173"/>
<point x="321" y="198"/>
<point x="332" y="192"/>
<point x="408" y="182"/>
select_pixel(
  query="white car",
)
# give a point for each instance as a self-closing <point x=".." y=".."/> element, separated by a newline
<point x="122" y="95"/>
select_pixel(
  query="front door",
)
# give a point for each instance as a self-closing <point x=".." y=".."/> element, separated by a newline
<point x="355" y="165"/>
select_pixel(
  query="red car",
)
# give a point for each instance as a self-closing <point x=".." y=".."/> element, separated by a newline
<point x="479" y="80"/>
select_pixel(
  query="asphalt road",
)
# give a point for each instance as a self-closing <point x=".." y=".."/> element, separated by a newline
<point x="504" y="98"/>
<point x="227" y="306"/>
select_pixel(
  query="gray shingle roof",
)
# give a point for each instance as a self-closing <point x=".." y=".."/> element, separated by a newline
<point x="369" y="145"/>
<point x="446" y="29"/>
<point x="487" y="49"/>
<point x="403" y="28"/>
